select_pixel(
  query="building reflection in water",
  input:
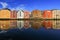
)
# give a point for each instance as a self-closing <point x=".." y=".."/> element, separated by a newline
<point x="36" y="24"/>
<point x="27" y="24"/>
<point x="4" y="25"/>
<point x="7" y="24"/>
<point x="20" y="24"/>
<point x="56" y="24"/>
<point x="47" y="24"/>
<point x="13" y="23"/>
<point x="23" y="24"/>
<point x="51" y="24"/>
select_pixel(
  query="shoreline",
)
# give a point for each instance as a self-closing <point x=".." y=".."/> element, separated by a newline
<point x="25" y="19"/>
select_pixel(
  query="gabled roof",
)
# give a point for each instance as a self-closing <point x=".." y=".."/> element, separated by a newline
<point x="6" y="9"/>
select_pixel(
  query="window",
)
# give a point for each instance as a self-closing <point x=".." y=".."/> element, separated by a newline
<point x="20" y="13"/>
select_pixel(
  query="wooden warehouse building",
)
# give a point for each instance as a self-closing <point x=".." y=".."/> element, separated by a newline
<point x="47" y="14"/>
<point x="36" y="14"/>
<point x="5" y="13"/>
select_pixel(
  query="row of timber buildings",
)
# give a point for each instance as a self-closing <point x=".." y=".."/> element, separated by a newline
<point x="46" y="14"/>
<point x="7" y="25"/>
<point x="7" y="13"/>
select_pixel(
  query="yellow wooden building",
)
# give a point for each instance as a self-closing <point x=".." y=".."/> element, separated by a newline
<point x="4" y="13"/>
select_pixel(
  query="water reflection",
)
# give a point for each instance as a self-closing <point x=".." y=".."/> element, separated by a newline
<point x="29" y="28"/>
<point x="4" y="25"/>
<point x="13" y="23"/>
<point x="20" y="24"/>
<point x="27" y="24"/>
<point x="35" y="24"/>
<point x="56" y="24"/>
<point x="47" y="24"/>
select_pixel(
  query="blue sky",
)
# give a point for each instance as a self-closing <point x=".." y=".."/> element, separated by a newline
<point x="30" y="4"/>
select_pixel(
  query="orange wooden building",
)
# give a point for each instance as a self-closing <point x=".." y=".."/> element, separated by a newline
<point x="47" y="14"/>
<point x="36" y="14"/>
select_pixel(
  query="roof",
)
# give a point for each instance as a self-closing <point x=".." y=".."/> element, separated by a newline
<point x="6" y="9"/>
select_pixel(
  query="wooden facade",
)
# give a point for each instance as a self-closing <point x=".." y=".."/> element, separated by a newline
<point x="47" y="14"/>
<point x="20" y="14"/>
<point x="56" y="14"/>
<point x="36" y="14"/>
<point x="26" y="14"/>
<point x="4" y="13"/>
<point x="13" y="14"/>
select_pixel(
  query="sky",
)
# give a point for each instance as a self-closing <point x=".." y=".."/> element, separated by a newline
<point x="30" y="4"/>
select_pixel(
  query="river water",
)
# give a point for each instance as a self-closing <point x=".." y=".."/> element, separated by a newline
<point x="30" y="29"/>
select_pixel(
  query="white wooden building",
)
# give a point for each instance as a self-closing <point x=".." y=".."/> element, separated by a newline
<point x="20" y="14"/>
<point x="56" y="14"/>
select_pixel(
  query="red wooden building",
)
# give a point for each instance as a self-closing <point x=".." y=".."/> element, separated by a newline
<point x="26" y="14"/>
<point x="13" y="14"/>
<point x="47" y="14"/>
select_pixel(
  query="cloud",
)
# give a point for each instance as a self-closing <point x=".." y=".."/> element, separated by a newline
<point x="21" y="6"/>
<point x="4" y="4"/>
<point x="13" y="8"/>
